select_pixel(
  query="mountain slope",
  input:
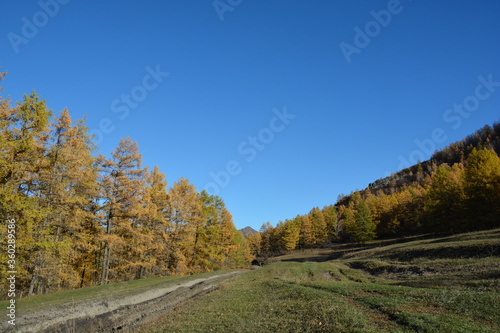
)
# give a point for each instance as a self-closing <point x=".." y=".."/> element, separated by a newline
<point x="248" y="230"/>
<point x="457" y="152"/>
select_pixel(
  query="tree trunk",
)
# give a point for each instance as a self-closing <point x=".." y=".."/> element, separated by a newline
<point x="82" y="278"/>
<point x="32" y="284"/>
<point x="194" y="248"/>
<point x="34" y="278"/>
<point x="105" y="262"/>
<point x="105" y="259"/>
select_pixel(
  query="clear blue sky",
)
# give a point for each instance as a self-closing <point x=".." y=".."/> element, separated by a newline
<point x="360" y="82"/>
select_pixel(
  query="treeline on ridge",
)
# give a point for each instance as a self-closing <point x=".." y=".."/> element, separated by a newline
<point x="83" y="220"/>
<point x="456" y="190"/>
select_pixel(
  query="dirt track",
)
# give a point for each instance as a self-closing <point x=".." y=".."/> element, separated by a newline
<point x="123" y="314"/>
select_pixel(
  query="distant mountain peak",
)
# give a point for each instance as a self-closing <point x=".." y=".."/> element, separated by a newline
<point x="248" y="230"/>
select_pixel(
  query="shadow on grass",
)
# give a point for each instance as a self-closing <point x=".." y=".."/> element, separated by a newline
<point x="340" y="250"/>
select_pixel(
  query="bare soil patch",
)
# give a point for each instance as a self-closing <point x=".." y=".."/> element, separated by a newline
<point x="122" y="314"/>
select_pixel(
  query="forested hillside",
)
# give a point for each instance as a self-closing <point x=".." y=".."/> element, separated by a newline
<point x="82" y="220"/>
<point x="457" y="190"/>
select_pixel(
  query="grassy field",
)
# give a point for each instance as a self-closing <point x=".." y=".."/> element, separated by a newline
<point x="449" y="284"/>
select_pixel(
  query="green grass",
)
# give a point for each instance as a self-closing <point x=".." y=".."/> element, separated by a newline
<point x="402" y="287"/>
<point x="330" y="297"/>
<point x="277" y="298"/>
